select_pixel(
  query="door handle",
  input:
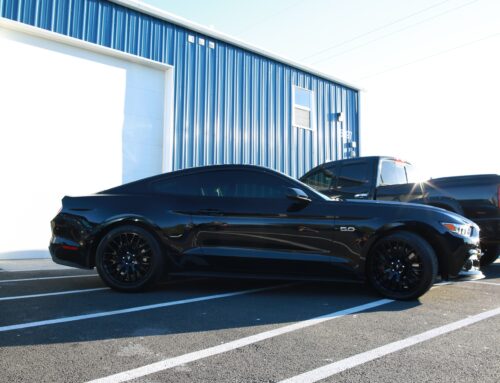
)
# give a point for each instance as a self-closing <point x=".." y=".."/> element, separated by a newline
<point x="361" y="195"/>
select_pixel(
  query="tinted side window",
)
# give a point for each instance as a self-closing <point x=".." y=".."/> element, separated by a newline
<point x="352" y="175"/>
<point x="198" y="184"/>
<point x="224" y="183"/>
<point x="321" y="179"/>
<point x="392" y="173"/>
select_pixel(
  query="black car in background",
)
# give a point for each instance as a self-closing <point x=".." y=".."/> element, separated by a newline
<point x="232" y="220"/>
<point x="476" y="197"/>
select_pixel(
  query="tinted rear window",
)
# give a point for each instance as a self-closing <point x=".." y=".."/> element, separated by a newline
<point x="352" y="175"/>
<point x="392" y="173"/>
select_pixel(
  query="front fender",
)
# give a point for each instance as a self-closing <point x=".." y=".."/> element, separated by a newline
<point x="427" y="232"/>
<point x="446" y="203"/>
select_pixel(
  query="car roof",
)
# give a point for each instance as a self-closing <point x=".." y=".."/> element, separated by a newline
<point x="140" y="184"/>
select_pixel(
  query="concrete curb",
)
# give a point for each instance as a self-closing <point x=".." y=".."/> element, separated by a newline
<point x="37" y="264"/>
<point x="25" y="254"/>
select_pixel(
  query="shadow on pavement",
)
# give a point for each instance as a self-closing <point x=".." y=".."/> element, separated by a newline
<point x="277" y="307"/>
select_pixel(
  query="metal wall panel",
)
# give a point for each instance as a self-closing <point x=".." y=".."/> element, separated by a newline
<point x="231" y="105"/>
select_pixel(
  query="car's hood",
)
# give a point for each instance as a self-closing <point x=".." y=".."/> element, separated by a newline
<point x="407" y="207"/>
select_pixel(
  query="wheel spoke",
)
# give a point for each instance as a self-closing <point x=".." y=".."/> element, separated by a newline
<point x="396" y="265"/>
<point x="127" y="258"/>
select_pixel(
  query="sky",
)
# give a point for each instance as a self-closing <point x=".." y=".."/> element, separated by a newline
<point x="429" y="70"/>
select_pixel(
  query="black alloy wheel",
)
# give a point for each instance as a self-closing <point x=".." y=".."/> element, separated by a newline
<point x="402" y="266"/>
<point x="490" y="255"/>
<point x="128" y="258"/>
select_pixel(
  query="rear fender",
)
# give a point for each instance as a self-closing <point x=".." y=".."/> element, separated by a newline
<point x="129" y="219"/>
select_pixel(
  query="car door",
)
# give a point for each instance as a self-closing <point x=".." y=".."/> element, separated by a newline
<point x="245" y="222"/>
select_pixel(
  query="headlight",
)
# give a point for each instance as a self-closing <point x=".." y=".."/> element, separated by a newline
<point x="463" y="230"/>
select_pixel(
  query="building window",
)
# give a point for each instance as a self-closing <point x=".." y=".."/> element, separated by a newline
<point x="302" y="108"/>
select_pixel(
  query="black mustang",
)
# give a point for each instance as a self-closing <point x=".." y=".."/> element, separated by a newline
<point x="232" y="220"/>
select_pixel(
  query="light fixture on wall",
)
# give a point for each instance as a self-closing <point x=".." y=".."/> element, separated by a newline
<point x="340" y="116"/>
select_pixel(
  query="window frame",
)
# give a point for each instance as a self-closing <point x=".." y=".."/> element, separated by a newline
<point x="302" y="107"/>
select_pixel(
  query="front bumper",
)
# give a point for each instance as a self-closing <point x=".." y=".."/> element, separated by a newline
<point x="472" y="264"/>
<point x="459" y="255"/>
<point x="471" y="270"/>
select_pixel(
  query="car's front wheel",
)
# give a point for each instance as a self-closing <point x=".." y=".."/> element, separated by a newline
<point x="128" y="258"/>
<point x="402" y="265"/>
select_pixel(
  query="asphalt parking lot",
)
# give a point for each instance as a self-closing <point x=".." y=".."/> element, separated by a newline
<point x="66" y="326"/>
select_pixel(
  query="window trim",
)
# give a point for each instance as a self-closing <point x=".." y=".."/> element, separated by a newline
<point x="312" y="118"/>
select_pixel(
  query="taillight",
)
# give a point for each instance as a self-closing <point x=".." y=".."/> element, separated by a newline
<point x="71" y="248"/>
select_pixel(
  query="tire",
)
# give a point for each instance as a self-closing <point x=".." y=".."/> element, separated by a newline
<point x="490" y="254"/>
<point x="129" y="258"/>
<point x="402" y="266"/>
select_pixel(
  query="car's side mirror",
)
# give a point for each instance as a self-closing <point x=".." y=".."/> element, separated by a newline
<point x="297" y="195"/>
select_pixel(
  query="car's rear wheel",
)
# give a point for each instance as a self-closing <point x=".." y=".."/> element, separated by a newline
<point x="128" y="258"/>
<point x="402" y="265"/>
<point x="490" y="255"/>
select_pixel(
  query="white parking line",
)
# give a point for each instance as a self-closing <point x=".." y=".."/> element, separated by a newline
<point x="355" y="360"/>
<point x="235" y="344"/>
<point x="52" y="294"/>
<point x="137" y="309"/>
<point x="169" y="283"/>
<point x="44" y="278"/>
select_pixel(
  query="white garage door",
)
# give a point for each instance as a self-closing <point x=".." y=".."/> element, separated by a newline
<point x="72" y="122"/>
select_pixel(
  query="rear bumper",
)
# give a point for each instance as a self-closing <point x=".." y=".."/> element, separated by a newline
<point x="65" y="254"/>
<point x="68" y="245"/>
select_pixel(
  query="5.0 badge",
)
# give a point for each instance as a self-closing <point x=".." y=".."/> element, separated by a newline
<point x="347" y="228"/>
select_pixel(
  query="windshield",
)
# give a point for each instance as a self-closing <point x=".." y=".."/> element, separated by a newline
<point x="306" y="188"/>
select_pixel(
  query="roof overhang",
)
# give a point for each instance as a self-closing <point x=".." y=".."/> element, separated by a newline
<point x="180" y="21"/>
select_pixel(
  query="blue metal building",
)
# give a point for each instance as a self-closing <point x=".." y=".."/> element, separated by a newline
<point x="231" y="102"/>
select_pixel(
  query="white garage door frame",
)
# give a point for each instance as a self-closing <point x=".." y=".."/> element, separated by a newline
<point x="168" y="115"/>
<point x="165" y="124"/>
